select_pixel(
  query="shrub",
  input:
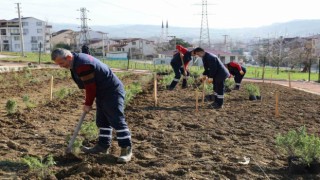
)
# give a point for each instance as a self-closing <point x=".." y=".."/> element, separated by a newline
<point x="11" y="106"/>
<point x="27" y="75"/>
<point x="163" y="69"/>
<point x="63" y="92"/>
<point x="196" y="72"/>
<point x="34" y="81"/>
<point x="300" y="144"/>
<point x="229" y="84"/>
<point x="190" y="80"/>
<point x="76" y="147"/>
<point x="166" y="80"/>
<point x="252" y="89"/>
<point x="89" y="130"/>
<point x="27" y="102"/>
<point x="26" y="70"/>
<point x="209" y="87"/>
<point x="38" y="164"/>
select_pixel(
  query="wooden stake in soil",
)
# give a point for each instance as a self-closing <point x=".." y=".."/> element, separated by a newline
<point x="197" y="104"/>
<point x="155" y="90"/>
<point x="51" y="87"/>
<point x="203" y="91"/>
<point x="277" y="104"/>
<point x="289" y="80"/>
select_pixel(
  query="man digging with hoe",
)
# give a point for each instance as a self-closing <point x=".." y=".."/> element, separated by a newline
<point x="102" y="85"/>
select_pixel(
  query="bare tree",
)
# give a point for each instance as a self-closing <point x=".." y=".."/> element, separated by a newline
<point x="296" y="52"/>
<point x="278" y="52"/>
<point x="301" y="52"/>
<point x="261" y="51"/>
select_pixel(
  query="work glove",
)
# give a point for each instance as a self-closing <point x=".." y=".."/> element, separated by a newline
<point x="210" y="80"/>
<point x="203" y="78"/>
<point x="185" y="73"/>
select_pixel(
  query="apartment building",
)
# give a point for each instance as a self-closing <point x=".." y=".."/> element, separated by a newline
<point x="36" y="34"/>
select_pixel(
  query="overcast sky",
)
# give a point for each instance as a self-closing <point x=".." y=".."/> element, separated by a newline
<point x="180" y="13"/>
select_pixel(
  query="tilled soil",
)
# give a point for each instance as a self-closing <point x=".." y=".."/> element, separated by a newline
<point x="170" y="141"/>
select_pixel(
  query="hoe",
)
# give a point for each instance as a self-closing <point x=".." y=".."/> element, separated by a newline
<point x="75" y="133"/>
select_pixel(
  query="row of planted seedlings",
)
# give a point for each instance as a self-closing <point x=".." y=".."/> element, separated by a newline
<point x="38" y="165"/>
<point x="300" y="146"/>
<point x="88" y="132"/>
<point x="37" y="79"/>
<point x="29" y="76"/>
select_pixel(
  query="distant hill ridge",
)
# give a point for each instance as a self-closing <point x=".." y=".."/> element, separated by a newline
<point x="289" y="29"/>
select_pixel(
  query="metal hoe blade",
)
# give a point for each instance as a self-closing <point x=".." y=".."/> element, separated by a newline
<point x="75" y="133"/>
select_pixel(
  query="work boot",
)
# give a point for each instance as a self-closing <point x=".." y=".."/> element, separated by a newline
<point x="217" y="106"/>
<point x="236" y="88"/>
<point x="184" y="84"/>
<point x="125" y="155"/>
<point x="172" y="85"/>
<point x="168" y="87"/>
<point x="95" y="149"/>
<point x="209" y="97"/>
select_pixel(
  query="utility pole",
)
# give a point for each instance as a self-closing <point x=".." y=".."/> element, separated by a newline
<point x="225" y="42"/>
<point x="21" y="31"/>
<point x="103" y="49"/>
<point x="280" y="55"/>
<point x="108" y="43"/>
<point x="318" y="69"/>
<point x="257" y="47"/>
<point x="0" y="42"/>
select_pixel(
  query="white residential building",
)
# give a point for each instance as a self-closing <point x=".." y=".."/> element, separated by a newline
<point x="35" y="32"/>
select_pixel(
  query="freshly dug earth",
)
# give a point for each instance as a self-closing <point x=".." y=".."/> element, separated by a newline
<point x="171" y="141"/>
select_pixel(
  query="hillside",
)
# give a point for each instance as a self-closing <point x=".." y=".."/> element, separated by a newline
<point x="292" y="28"/>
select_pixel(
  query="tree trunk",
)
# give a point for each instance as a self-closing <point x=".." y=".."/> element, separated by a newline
<point x="305" y="67"/>
<point x="292" y="67"/>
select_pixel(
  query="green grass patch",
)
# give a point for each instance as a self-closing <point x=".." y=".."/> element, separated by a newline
<point x="29" y="57"/>
<point x="256" y="72"/>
